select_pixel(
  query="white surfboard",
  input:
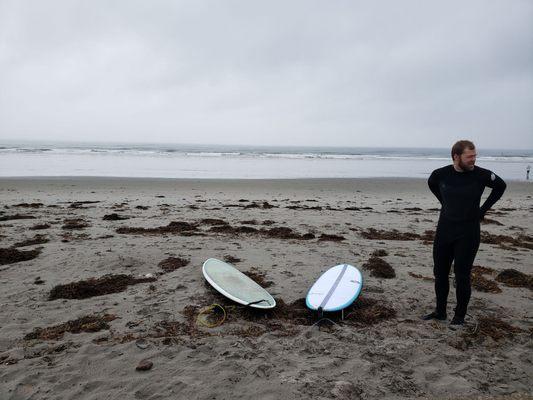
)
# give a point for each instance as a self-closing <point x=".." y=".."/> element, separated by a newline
<point x="336" y="288"/>
<point x="235" y="285"/>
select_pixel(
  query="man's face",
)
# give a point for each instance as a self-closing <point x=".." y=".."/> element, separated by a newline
<point x="467" y="160"/>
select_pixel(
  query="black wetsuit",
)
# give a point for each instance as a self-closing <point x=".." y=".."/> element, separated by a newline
<point x="457" y="236"/>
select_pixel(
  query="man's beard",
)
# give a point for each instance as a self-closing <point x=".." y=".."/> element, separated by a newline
<point x="466" y="167"/>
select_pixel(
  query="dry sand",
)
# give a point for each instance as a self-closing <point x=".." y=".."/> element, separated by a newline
<point x="382" y="350"/>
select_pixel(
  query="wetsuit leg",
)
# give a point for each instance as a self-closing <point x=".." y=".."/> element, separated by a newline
<point x="465" y="250"/>
<point x="442" y="261"/>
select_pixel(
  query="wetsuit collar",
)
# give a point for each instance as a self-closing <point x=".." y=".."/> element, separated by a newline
<point x="461" y="171"/>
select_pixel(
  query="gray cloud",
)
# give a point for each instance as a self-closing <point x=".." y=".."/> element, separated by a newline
<point x="301" y="72"/>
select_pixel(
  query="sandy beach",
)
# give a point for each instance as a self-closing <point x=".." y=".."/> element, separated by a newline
<point x="101" y="278"/>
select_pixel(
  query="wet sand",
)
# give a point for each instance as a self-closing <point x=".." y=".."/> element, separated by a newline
<point x="100" y="275"/>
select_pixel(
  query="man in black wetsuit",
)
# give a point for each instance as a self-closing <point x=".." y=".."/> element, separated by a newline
<point x="459" y="187"/>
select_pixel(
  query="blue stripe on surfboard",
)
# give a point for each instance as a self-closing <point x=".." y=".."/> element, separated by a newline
<point x="333" y="287"/>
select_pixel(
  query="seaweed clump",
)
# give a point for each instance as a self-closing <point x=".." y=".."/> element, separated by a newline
<point x="39" y="227"/>
<point x="332" y="238"/>
<point x="93" y="287"/>
<point x="504" y="241"/>
<point x="89" y="323"/>
<point x="75" y="223"/>
<point x="482" y="284"/>
<point x="28" y="205"/>
<point x="231" y="259"/>
<point x="379" y="234"/>
<point x="173" y="263"/>
<point x="368" y="311"/>
<point x="11" y="255"/>
<point x="487" y="328"/>
<point x="514" y="278"/>
<point x="176" y="227"/>
<point x="114" y="217"/>
<point x="379" y="268"/>
<point x="418" y="276"/>
<point x="258" y="277"/>
<point x="37" y="239"/>
<point x="80" y="204"/>
<point x="213" y="221"/>
<point x="283" y="320"/>
<point x="16" y="216"/>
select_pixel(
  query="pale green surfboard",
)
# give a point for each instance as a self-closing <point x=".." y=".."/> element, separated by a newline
<point x="233" y="284"/>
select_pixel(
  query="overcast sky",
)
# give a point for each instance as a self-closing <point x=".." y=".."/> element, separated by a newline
<point x="339" y="73"/>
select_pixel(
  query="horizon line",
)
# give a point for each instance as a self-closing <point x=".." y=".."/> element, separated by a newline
<point x="67" y="141"/>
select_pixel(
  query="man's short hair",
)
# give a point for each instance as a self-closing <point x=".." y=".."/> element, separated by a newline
<point x="460" y="146"/>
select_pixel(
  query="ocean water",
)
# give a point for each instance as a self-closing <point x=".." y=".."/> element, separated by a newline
<point x="239" y="162"/>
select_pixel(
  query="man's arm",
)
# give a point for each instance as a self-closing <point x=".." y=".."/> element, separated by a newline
<point x="498" y="187"/>
<point x="433" y="183"/>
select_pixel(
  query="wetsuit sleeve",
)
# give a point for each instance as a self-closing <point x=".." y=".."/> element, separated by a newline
<point x="498" y="187"/>
<point x="433" y="183"/>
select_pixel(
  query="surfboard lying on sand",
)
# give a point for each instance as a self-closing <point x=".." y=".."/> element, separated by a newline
<point x="336" y="288"/>
<point x="235" y="285"/>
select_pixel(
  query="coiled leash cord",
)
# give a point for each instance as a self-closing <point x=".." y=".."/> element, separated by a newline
<point x="207" y="310"/>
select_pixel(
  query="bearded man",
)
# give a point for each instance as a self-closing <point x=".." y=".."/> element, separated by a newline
<point x="459" y="187"/>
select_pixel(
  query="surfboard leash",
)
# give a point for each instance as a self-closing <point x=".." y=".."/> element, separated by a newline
<point x="257" y="302"/>
<point x="207" y="310"/>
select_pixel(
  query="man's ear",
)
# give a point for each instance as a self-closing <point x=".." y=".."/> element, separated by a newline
<point x="456" y="157"/>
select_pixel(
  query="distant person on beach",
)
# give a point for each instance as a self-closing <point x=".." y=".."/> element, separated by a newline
<point x="528" y="168"/>
<point x="459" y="187"/>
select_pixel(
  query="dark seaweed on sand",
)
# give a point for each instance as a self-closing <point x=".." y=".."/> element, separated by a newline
<point x="173" y="263"/>
<point x="379" y="234"/>
<point x="249" y="222"/>
<point x="37" y="239"/>
<point x="89" y="323"/>
<point x="275" y="233"/>
<point x="75" y="223"/>
<point x="379" y="268"/>
<point x="266" y="205"/>
<point x="114" y="217"/>
<point x="317" y="208"/>
<point x="482" y="284"/>
<point x="16" y="216"/>
<point x="11" y="255"/>
<point x="514" y="278"/>
<point x="523" y="241"/>
<point x="80" y="204"/>
<point x="172" y="227"/>
<point x="418" y="276"/>
<point x="39" y="227"/>
<point x="258" y="277"/>
<point x="29" y="205"/>
<point x="331" y="238"/>
<point x="230" y="259"/>
<point x="213" y="221"/>
<point x="486" y="327"/>
<point x="285" y="318"/>
<point x="95" y="287"/>
<point x="368" y="311"/>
